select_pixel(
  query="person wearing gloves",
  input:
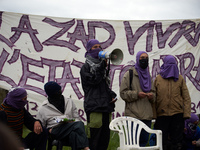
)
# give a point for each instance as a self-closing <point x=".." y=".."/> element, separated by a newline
<point x="60" y="116"/>
<point x="139" y="94"/>
<point x="173" y="104"/>
<point x="99" y="99"/>
<point x="192" y="133"/>
<point x="14" y="115"/>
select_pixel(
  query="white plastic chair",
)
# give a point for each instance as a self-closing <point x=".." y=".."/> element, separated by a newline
<point x="129" y="130"/>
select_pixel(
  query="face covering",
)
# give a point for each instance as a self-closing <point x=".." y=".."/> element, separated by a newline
<point x="144" y="63"/>
<point x="15" y="98"/>
<point x="95" y="53"/>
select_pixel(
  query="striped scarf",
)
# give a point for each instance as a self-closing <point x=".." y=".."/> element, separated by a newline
<point x="15" y="118"/>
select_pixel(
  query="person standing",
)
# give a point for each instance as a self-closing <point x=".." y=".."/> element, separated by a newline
<point x="173" y="104"/>
<point x="60" y="116"/>
<point x="14" y="115"/>
<point x="139" y="95"/>
<point x="99" y="98"/>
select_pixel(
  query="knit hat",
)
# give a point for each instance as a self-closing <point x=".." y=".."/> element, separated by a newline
<point x="52" y="88"/>
<point x="94" y="53"/>
<point x="91" y="43"/>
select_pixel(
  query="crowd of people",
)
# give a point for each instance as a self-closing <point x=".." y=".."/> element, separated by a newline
<point x="166" y="99"/>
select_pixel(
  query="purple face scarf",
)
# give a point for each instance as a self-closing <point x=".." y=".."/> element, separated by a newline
<point x="144" y="76"/>
<point x="95" y="52"/>
<point x="14" y="98"/>
<point x="169" y="69"/>
<point x="190" y="126"/>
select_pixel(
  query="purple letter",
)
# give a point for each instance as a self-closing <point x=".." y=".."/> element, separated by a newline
<point x="163" y="37"/>
<point x="29" y="74"/>
<point x="53" y="40"/>
<point x="25" y="26"/>
<point x="99" y="24"/>
<point x="3" y="58"/>
<point x="2" y="38"/>
<point x="78" y="34"/>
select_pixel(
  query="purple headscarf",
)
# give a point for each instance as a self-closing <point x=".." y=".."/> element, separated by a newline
<point x="93" y="53"/>
<point x="144" y="76"/>
<point x="190" y="126"/>
<point x="14" y="98"/>
<point x="169" y="68"/>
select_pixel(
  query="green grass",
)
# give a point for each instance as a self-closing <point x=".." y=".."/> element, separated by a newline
<point x="114" y="140"/>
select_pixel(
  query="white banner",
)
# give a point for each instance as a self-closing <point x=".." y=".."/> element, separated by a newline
<point x="37" y="49"/>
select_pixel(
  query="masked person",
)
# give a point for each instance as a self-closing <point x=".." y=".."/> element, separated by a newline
<point x="60" y="116"/>
<point x="138" y="92"/>
<point x="173" y="104"/>
<point x="192" y="133"/>
<point x="14" y="115"/>
<point x="99" y="98"/>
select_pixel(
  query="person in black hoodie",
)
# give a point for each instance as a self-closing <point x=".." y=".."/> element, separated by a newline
<point x="99" y="100"/>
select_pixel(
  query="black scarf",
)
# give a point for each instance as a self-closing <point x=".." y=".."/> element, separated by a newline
<point x="58" y="102"/>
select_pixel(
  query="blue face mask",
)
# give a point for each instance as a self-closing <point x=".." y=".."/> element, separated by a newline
<point x="95" y="53"/>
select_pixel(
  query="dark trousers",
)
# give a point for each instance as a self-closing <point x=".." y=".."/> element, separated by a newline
<point x="99" y="137"/>
<point x="144" y="137"/>
<point x="72" y="134"/>
<point x="37" y="141"/>
<point x="172" y="128"/>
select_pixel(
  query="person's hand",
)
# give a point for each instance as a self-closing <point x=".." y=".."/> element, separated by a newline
<point x="114" y="100"/>
<point x="50" y="130"/>
<point x="37" y="127"/>
<point x="149" y="96"/>
<point x="106" y="62"/>
<point x="142" y="95"/>
<point x="194" y="142"/>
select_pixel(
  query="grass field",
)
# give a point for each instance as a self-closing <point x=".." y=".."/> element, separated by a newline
<point x="114" y="140"/>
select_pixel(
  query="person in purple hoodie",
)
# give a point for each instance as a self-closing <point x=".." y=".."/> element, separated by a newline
<point x="192" y="133"/>
<point x="173" y="104"/>
<point x="99" y="98"/>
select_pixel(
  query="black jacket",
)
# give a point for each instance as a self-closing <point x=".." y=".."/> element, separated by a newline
<point x="98" y="95"/>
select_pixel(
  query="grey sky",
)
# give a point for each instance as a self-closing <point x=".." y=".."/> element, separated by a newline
<point x="107" y="9"/>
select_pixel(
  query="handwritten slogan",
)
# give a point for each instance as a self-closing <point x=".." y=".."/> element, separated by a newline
<point x="37" y="49"/>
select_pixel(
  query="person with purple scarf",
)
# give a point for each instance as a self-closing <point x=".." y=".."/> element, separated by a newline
<point x="14" y="115"/>
<point x="173" y="104"/>
<point x="99" y="98"/>
<point x="139" y="95"/>
<point x="192" y="133"/>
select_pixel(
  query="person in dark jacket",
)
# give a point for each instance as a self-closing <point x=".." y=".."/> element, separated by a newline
<point x="99" y="98"/>
<point x="14" y="115"/>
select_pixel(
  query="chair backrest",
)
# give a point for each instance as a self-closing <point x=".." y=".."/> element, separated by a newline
<point x="129" y="130"/>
